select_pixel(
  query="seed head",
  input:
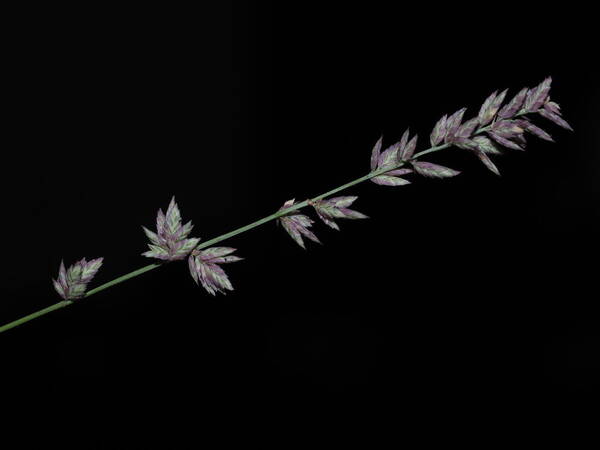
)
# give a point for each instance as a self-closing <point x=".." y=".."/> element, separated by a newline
<point x="170" y="242"/>
<point x="72" y="282"/>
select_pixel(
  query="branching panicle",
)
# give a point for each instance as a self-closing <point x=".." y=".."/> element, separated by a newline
<point x="496" y="125"/>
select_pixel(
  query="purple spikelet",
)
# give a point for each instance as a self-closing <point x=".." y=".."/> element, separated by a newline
<point x="536" y="97"/>
<point x="453" y="124"/>
<point x="402" y="150"/>
<point x="512" y="107"/>
<point x="375" y="153"/>
<point x="467" y="128"/>
<point x="556" y="118"/>
<point x="486" y="112"/>
<point x="431" y="170"/>
<point x="297" y="225"/>
<point x="485" y="159"/>
<point x="72" y="282"/>
<point x="535" y="130"/>
<point x="170" y="242"/>
<point x="504" y="141"/>
<point x="205" y="268"/>
<point x="336" y="208"/>
<point x="439" y="131"/>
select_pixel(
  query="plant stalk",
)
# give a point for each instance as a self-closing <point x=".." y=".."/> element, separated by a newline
<point x="36" y="314"/>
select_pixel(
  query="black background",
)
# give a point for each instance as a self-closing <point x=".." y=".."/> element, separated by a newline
<point x="464" y="298"/>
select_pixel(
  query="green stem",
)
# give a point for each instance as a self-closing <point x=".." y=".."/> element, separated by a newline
<point x="431" y="150"/>
<point x="218" y="239"/>
<point x="32" y="316"/>
<point x="122" y="278"/>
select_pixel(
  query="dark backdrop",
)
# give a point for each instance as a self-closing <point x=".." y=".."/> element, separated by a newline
<point x="475" y="294"/>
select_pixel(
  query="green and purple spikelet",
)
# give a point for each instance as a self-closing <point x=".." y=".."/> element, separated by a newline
<point x="170" y="242"/>
<point x="336" y="208"/>
<point x="297" y="224"/>
<point x="72" y="282"/>
<point x="400" y="151"/>
<point x="205" y="269"/>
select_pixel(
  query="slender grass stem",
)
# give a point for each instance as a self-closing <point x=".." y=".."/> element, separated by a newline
<point x="122" y="278"/>
<point x="217" y="239"/>
<point x="34" y="315"/>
